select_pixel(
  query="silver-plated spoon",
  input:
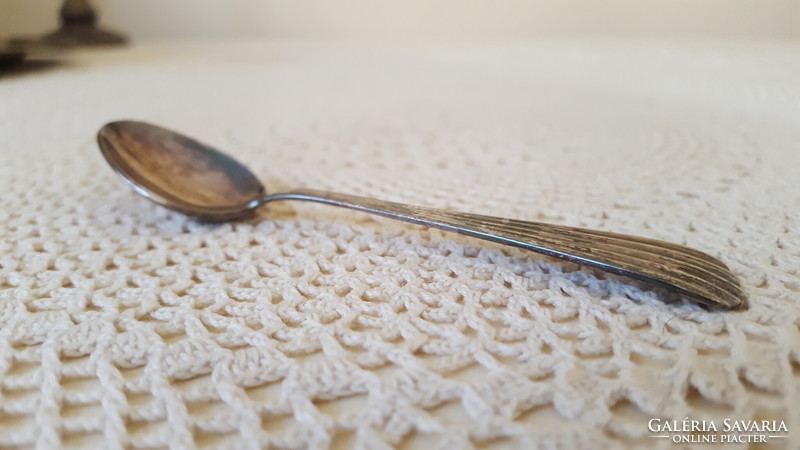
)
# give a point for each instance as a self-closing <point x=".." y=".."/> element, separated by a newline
<point x="185" y="175"/>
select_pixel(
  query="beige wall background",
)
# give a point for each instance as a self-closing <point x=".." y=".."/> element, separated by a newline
<point x="421" y="19"/>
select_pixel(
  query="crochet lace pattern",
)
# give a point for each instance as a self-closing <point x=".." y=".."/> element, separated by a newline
<point x="124" y="325"/>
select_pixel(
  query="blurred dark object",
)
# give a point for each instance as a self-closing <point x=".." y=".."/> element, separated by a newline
<point x="11" y="55"/>
<point x="26" y="57"/>
<point x="79" y="28"/>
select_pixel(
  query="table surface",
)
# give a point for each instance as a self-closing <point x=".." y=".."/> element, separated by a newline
<point x="123" y="324"/>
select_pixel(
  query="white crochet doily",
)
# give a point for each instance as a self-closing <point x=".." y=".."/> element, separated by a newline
<point x="124" y="325"/>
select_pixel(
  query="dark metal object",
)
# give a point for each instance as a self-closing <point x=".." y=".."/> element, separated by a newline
<point x="185" y="175"/>
<point x="79" y="28"/>
<point x="11" y="55"/>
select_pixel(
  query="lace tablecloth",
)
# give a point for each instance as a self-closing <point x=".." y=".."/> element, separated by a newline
<point x="124" y="325"/>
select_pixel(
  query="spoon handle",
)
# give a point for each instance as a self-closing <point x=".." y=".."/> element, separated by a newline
<point x="684" y="270"/>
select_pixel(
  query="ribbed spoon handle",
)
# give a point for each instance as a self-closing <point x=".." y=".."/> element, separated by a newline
<point x="690" y="272"/>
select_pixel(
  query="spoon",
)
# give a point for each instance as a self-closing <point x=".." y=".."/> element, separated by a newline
<point x="185" y="175"/>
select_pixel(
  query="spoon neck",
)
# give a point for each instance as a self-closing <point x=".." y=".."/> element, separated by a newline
<point x="355" y="202"/>
<point x="311" y="195"/>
